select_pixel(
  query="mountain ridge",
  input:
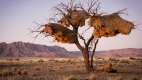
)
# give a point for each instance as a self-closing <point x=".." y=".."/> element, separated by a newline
<point x="26" y="49"/>
<point x="22" y="49"/>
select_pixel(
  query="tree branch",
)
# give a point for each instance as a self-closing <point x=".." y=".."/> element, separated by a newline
<point x="75" y="29"/>
<point x="60" y="11"/>
<point x="94" y="49"/>
<point x="90" y="39"/>
<point x="82" y="38"/>
<point x="79" y="46"/>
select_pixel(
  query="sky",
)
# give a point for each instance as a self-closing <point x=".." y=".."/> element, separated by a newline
<point x="17" y="17"/>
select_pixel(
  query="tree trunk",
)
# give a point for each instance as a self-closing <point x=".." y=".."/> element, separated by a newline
<point x="92" y="59"/>
<point x="93" y="52"/>
<point x="88" y="66"/>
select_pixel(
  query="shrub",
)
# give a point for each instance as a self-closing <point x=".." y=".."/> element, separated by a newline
<point x="71" y="78"/>
<point x="92" y="77"/>
<point x="22" y="72"/>
<point x="115" y="78"/>
<point x="37" y="69"/>
<point x="6" y="73"/>
<point x="40" y="60"/>
<point x="17" y="59"/>
<point x="135" y="79"/>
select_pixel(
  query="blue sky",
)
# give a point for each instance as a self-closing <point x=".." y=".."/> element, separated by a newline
<point x="17" y="16"/>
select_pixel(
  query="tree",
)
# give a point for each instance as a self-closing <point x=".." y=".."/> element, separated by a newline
<point x="74" y="15"/>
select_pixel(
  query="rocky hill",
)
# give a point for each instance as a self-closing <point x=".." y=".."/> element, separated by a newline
<point x="22" y="49"/>
<point x="121" y="53"/>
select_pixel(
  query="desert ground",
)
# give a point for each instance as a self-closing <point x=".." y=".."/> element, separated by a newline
<point x="68" y="69"/>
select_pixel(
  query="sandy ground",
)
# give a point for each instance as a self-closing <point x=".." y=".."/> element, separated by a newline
<point x="67" y="69"/>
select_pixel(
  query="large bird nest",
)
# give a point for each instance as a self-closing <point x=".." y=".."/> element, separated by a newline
<point x="60" y="33"/>
<point x="110" y="25"/>
<point x="74" y="18"/>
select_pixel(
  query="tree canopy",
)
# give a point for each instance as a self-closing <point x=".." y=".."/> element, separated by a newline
<point x="74" y="15"/>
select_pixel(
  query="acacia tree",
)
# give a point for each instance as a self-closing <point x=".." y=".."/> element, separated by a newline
<point x="73" y="15"/>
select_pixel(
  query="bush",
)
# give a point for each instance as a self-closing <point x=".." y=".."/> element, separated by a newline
<point x="22" y="72"/>
<point x="37" y="69"/>
<point x="40" y="60"/>
<point x="135" y="79"/>
<point x="115" y="78"/>
<point x="6" y="73"/>
<point x="71" y="78"/>
<point x="92" y="77"/>
<point x="17" y="59"/>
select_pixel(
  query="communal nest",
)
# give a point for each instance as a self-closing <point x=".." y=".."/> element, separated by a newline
<point x="75" y="18"/>
<point x="110" y="25"/>
<point x="60" y="33"/>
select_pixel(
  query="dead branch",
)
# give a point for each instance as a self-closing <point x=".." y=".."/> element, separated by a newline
<point x="120" y="11"/>
<point x="93" y="6"/>
<point x="97" y="8"/>
<point x="60" y="11"/>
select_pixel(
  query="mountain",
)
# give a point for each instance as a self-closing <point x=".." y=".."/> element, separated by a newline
<point x="23" y="49"/>
<point x="118" y="53"/>
<point x="121" y="53"/>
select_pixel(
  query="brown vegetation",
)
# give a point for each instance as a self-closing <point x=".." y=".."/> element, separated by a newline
<point x="69" y="70"/>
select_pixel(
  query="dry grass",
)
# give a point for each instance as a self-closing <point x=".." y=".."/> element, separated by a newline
<point x="68" y="69"/>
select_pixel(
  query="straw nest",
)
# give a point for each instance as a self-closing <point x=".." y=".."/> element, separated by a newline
<point x="74" y="18"/>
<point x="110" y="25"/>
<point x="60" y="33"/>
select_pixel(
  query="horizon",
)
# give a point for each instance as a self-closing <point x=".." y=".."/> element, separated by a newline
<point x="65" y="48"/>
<point x="18" y="16"/>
